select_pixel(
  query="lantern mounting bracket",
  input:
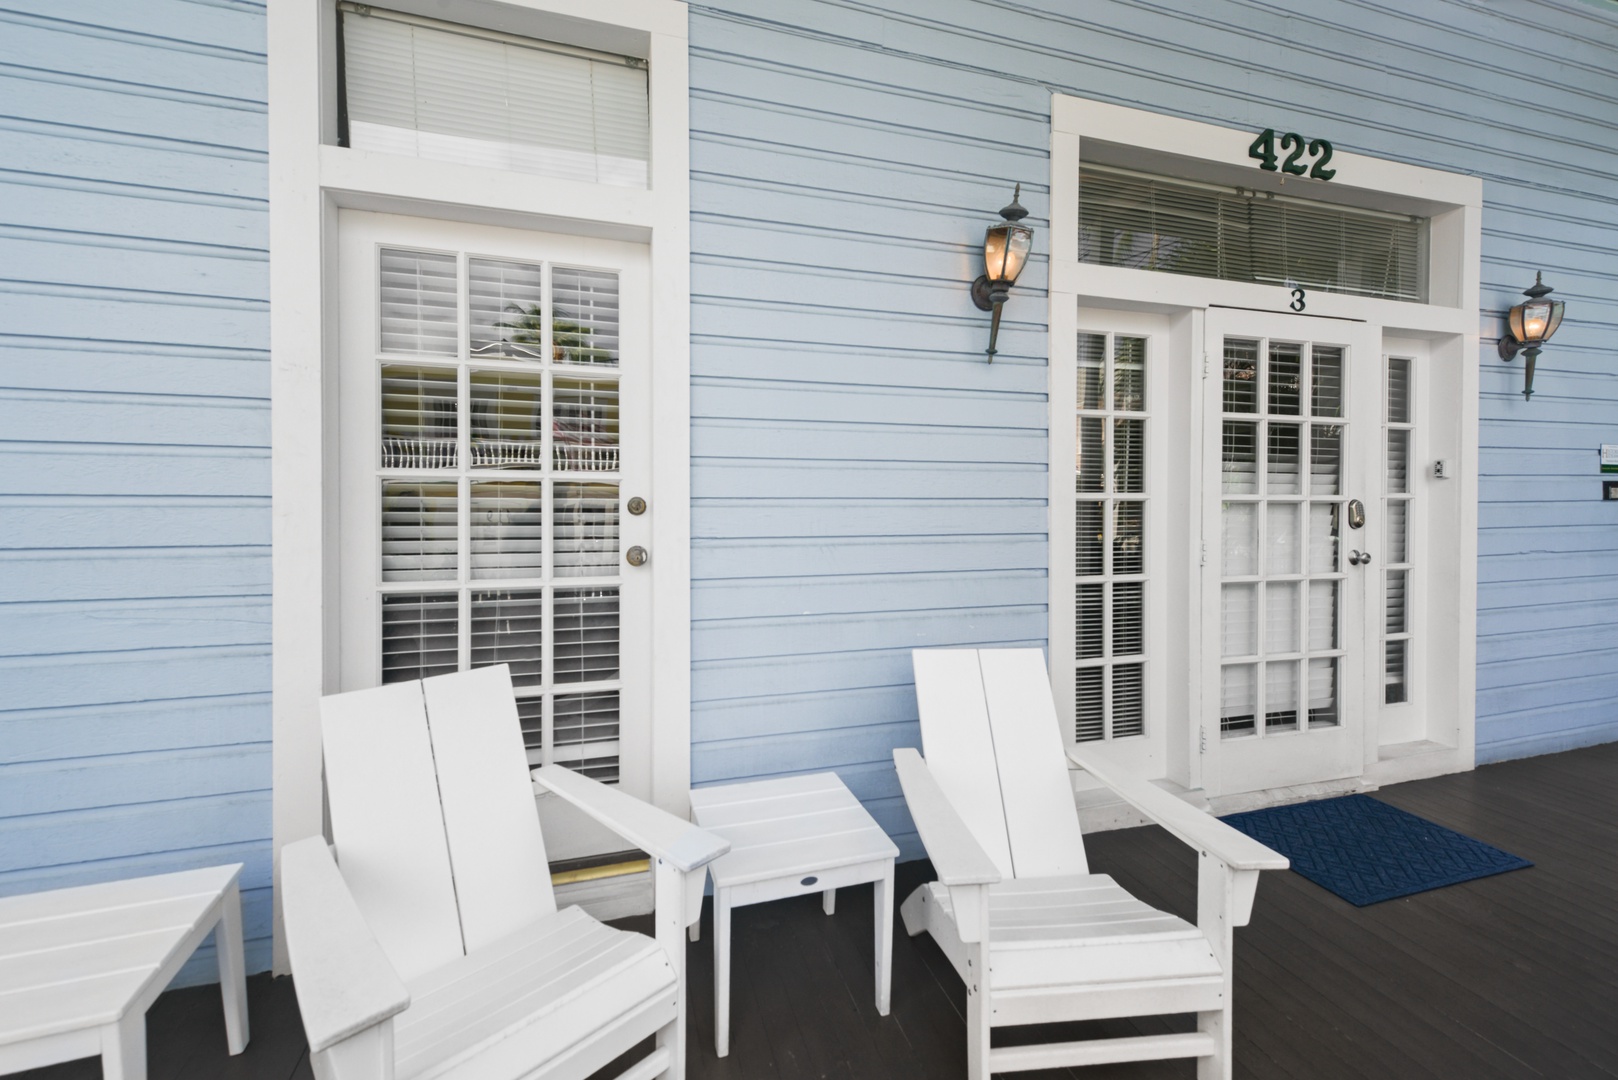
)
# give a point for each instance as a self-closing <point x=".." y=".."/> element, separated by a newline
<point x="983" y="295"/>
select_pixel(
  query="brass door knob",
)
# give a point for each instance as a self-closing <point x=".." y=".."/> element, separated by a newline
<point x="636" y="556"/>
<point x="637" y="506"/>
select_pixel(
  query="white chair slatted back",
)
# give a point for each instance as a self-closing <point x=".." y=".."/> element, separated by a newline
<point x="1042" y="821"/>
<point x="959" y="747"/>
<point x="502" y="878"/>
<point x="386" y="823"/>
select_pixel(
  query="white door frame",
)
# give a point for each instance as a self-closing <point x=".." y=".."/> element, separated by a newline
<point x="1448" y="322"/>
<point x="310" y="179"/>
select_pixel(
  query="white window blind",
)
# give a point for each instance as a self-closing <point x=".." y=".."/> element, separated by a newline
<point x="476" y="97"/>
<point x="1147" y="222"/>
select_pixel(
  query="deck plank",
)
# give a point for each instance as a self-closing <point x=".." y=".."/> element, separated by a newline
<point x="1513" y="977"/>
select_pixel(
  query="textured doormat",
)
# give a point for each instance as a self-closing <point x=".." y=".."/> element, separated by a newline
<point x="1367" y="851"/>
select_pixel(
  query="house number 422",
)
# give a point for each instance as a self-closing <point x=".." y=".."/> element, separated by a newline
<point x="1293" y="145"/>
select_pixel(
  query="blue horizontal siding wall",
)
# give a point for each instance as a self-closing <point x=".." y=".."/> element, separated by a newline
<point x="134" y="447"/>
<point x="864" y="483"/>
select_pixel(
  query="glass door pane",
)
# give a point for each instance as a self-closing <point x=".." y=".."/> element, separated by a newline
<point x="1279" y="397"/>
<point x="498" y="469"/>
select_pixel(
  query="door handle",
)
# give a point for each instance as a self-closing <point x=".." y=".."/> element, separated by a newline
<point x="1357" y="558"/>
<point x="636" y="556"/>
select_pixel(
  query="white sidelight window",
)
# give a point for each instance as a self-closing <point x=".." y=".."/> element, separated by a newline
<point x="1110" y="514"/>
<point x="432" y="89"/>
<point x="1399" y="510"/>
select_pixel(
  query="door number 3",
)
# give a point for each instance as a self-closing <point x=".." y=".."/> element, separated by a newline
<point x="1297" y="300"/>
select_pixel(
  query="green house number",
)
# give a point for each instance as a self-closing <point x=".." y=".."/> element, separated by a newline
<point x="1263" y="149"/>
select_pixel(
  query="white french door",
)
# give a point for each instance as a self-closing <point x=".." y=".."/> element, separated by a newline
<point x="493" y="415"/>
<point x="1292" y="463"/>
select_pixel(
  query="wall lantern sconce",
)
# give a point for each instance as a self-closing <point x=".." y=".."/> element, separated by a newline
<point x="1529" y="326"/>
<point x="1005" y="250"/>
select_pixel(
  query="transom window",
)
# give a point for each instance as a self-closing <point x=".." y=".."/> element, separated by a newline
<point x="450" y="92"/>
<point x="1148" y="222"/>
<point x="1110" y="511"/>
<point x="497" y="480"/>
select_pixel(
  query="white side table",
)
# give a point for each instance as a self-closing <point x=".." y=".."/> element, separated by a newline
<point x="788" y="837"/>
<point x="79" y="967"/>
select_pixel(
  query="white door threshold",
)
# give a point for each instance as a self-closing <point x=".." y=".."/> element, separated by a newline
<point x="1296" y="793"/>
<point x="615" y="897"/>
<point x="1398" y="762"/>
<point x="1102" y="811"/>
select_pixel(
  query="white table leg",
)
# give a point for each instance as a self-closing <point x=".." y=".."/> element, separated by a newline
<point x="882" y="890"/>
<point x="721" y="972"/>
<point x="227" y="940"/>
<point x="123" y="1048"/>
<point x="828" y="901"/>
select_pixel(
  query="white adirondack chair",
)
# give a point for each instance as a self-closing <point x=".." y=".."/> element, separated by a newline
<point x="432" y="945"/>
<point x="1035" y="936"/>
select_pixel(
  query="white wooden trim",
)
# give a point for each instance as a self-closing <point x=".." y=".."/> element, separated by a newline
<point x="308" y="182"/>
<point x="1449" y="322"/>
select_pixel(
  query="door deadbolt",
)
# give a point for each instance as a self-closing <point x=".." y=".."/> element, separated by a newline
<point x="636" y="506"/>
<point x="636" y="556"/>
<point x="1356" y="514"/>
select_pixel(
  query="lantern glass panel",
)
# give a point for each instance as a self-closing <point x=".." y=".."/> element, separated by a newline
<point x="1005" y="249"/>
<point x="1022" y="238"/>
<point x="1536" y="320"/>
<point x="1514" y="320"/>
<point x="1555" y="320"/>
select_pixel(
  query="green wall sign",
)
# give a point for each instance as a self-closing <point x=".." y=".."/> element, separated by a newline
<point x="1264" y="150"/>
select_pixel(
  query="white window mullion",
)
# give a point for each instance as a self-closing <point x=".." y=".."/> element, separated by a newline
<point x="463" y="457"/>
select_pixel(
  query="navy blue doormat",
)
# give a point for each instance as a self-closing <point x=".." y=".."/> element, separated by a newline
<point x="1367" y="851"/>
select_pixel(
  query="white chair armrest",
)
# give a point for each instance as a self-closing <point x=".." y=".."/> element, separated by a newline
<point x="957" y="856"/>
<point x="344" y="981"/>
<point x="1200" y="830"/>
<point x="651" y="829"/>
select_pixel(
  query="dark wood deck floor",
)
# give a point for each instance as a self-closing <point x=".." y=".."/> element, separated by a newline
<point x="1514" y="976"/>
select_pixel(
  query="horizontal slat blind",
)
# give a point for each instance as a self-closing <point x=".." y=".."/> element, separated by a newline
<point x="1148" y="222"/>
<point x="456" y="93"/>
<point x="418" y="303"/>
